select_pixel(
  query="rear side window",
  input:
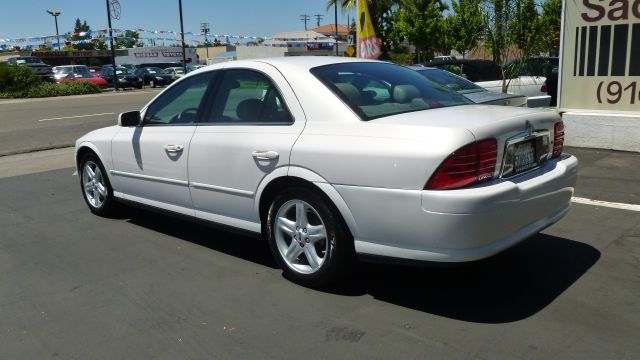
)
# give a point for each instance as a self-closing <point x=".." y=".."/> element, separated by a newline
<point x="248" y="97"/>
<point x="374" y="90"/>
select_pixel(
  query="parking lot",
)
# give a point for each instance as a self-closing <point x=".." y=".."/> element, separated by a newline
<point x="144" y="285"/>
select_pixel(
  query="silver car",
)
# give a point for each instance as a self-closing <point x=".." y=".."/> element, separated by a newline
<point x="471" y="91"/>
<point x="330" y="158"/>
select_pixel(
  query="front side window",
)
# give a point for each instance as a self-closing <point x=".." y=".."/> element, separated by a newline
<point x="248" y="97"/>
<point x="180" y="104"/>
<point x="375" y="90"/>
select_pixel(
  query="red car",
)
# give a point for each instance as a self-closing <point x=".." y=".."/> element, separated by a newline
<point x="95" y="71"/>
<point x="69" y="73"/>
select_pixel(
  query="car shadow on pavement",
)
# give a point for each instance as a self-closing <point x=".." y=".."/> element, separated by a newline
<point x="223" y="241"/>
<point x="508" y="287"/>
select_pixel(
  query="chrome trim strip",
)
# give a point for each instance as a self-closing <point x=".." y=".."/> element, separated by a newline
<point x="150" y="178"/>
<point x="221" y="189"/>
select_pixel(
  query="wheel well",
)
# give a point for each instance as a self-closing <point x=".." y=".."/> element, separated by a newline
<point x="81" y="153"/>
<point x="281" y="183"/>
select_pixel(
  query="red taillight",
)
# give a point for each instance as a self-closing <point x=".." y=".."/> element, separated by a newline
<point x="468" y="165"/>
<point x="558" y="139"/>
<point x="544" y="87"/>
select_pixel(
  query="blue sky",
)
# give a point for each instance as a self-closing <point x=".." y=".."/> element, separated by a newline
<point x="28" y="18"/>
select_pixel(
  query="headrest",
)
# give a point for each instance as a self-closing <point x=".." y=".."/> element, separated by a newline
<point x="405" y="93"/>
<point x="249" y="110"/>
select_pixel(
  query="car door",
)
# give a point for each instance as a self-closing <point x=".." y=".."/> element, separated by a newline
<point x="150" y="161"/>
<point x="247" y="134"/>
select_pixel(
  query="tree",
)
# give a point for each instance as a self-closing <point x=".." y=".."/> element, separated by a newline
<point x="466" y="25"/>
<point x="550" y="26"/>
<point x="421" y="22"/>
<point x="512" y="30"/>
<point x="128" y="40"/>
<point x="524" y="29"/>
<point x="87" y="42"/>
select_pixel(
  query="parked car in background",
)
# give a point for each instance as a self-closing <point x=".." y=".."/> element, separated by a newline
<point x="291" y="148"/>
<point x="44" y="71"/>
<point x="488" y="75"/>
<point x="153" y="76"/>
<point x="175" y="72"/>
<point x="191" y="68"/>
<point x="80" y="73"/>
<point x="126" y="77"/>
<point x="95" y="70"/>
<point x="470" y="90"/>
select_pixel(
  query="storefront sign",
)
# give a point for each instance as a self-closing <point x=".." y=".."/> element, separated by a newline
<point x="75" y="54"/>
<point x="601" y="55"/>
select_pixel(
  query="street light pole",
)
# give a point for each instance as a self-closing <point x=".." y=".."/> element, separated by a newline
<point x="113" y="49"/>
<point x="184" y="54"/>
<point x="55" y="14"/>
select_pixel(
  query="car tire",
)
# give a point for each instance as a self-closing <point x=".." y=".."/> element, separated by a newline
<point x="95" y="186"/>
<point x="308" y="238"/>
<point x="152" y="83"/>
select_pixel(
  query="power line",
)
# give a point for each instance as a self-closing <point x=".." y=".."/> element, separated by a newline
<point x="318" y="18"/>
<point x="305" y="18"/>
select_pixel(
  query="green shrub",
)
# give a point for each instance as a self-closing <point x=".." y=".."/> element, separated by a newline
<point x="17" y="79"/>
<point x="64" y="89"/>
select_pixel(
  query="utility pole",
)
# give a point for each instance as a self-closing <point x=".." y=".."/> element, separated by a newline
<point x="184" y="53"/>
<point x="113" y="49"/>
<point x="336" y="23"/>
<point x="205" y="30"/>
<point x="318" y="18"/>
<point x="305" y="18"/>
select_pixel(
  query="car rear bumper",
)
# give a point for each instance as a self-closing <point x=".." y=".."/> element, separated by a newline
<point x="460" y="225"/>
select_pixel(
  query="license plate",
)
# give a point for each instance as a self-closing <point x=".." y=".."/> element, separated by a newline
<point x="524" y="157"/>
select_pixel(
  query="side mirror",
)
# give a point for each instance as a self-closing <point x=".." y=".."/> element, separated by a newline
<point x="129" y="119"/>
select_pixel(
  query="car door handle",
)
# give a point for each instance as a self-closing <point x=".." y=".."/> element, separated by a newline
<point x="174" y="148"/>
<point x="265" y="155"/>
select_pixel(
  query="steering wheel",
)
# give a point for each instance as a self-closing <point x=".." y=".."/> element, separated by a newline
<point x="186" y="116"/>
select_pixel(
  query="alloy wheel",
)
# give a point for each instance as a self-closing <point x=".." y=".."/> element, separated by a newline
<point x="93" y="182"/>
<point x="301" y="236"/>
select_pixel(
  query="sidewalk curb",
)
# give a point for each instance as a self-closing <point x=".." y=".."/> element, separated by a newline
<point x="38" y="149"/>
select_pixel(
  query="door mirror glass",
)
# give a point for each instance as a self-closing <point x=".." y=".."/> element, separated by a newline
<point x="129" y="119"/>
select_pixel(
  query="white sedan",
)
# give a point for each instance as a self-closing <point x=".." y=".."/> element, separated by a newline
<point x="330" y="158"/>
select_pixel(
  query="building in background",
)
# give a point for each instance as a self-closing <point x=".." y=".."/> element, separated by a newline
<point x="599" y="92"/>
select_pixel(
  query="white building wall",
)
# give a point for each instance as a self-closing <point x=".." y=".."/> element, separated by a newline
<point x="255" y="52"/>
<point x="602" y="131"/>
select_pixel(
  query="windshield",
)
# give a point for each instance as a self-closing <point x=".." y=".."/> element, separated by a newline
<point x="450" y="81"/>
<point x="123" y="71"/>
<point x="375" y="90"/>
<point x="28" y="60"/>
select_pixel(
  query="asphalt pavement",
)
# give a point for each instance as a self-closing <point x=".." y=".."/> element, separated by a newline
<point x="38" y="124"/>
<point x="147" y="286"/>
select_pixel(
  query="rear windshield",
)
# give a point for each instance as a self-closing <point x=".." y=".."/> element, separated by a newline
<point x="375" y="90"/>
